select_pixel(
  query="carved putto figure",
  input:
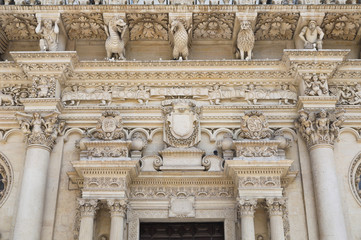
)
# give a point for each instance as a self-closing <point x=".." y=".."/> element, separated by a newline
<point x="316" y="85"/>
<point x="320" y="127"/>
<point x="180" y="38"/>
<point x="245" y="41"/>
<point x="109" y="126"/>
<point x="312" y="36"/>
<point x="49" y="34"/>
<point x="118" y="34"/>
<point x="347" y="94"/>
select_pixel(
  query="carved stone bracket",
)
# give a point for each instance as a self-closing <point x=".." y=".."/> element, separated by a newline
<point x="320" y="127"/>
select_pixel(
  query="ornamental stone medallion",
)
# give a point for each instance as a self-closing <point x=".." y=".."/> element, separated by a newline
<point x="355" y="178"/>
<point x="6" y="178"/>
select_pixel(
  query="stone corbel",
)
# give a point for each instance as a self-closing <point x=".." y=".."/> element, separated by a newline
<point x="242" y="16"/>
<point x="305" y="17"/>
<point x="55" y="17"/>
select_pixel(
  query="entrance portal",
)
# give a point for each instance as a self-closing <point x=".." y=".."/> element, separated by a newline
<point x="182" y="231"/>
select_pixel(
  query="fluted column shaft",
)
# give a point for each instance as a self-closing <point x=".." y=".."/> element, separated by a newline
<point x="117" y="213"/>
<point x="88" y="208"/>
<point x="328" y="202"/>
<point x="275" y="208"/>
<point x="32" y="195"/>
<point x="246" y="213"/>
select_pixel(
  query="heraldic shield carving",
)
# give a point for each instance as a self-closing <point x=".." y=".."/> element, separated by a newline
<point x="181" y="125"/>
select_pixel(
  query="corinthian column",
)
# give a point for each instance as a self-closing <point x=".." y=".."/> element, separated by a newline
<point x="246" y="211"/>
<point x="41" y="133"/>
<point x="320" y="129"/>
<point x="117" y="213"/>
<point x="275" y="208"/>
<point x="88" y="208"/>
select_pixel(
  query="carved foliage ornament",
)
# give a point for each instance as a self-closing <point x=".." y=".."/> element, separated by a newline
<point x="341" y="26"/>
<point x="276" y="26"/>
<point x="43" y="87"/>
<point x="6" y="178"/>
<point x="320" y="127"/>
<point x="84" y="25"/>
<point x="254" y="125"/>
<point x="19" y="26"/>
<point x="10" y="96"/>
<point x="355" y="178"/>
<point x="109" y="126"/>
<point x="39" y="129"/>
<point x="181" y="123"/>
<point x="148" y="26"/>
<point x="213" y="25"/>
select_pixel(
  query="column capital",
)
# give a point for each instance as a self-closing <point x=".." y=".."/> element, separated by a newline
<point x="117" y="207"/>
<point x="275" y="206"/>
<point x="246" y="207"/>
<point x="41" y="130"/>
<point x="320" y="126"/>
<point x="88" y="207"/>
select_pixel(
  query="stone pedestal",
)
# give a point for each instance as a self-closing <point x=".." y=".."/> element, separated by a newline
<point x="329" y="207"/>
<point x="117" y="213"/>
<point x="31" y="205"/>
<point x="246" y="212"/>
<point x="87" y="210"/>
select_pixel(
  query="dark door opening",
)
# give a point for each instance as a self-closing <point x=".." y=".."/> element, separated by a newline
<point x="182" y="231"/>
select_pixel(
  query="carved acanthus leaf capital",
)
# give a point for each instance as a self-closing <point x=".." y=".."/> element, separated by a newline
<point x="88" y="207"/>
<point x="276" y="206"/>
<point x="246" y="207"/>
<point x="320" y="127"/>
<point x="41" y="130"/>
<point x="117" y="207"/>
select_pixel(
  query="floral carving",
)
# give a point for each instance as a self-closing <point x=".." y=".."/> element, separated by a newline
<point x="254" y="126"/>
<point x="19" y="26"/>
<point x="43" y="87"/>
<point x="213" y="25"/>
<point x="341" y="26"/>
<point x="84" y="25"/>
<point x="276" y="26"/>
<point x="109" y="126"/>
<point x="39" y="129"/>
<point x="101" y="183"/>
<point x="148" y="26"/>
<point x="320" y="127"/>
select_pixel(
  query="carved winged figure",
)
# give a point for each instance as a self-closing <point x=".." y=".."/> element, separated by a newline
<point x="118" y="35"/>
<point x="245" y="41"/>
<point x="180" y="39"/>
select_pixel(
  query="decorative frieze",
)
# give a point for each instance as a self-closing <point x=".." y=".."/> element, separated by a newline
<point x="41" y="130"/>
<point x="84" y="25"/>
<point x="101" y="183"/>
<point x="341" y="26"/>
<point x="259" y="182"/>
<point x="213" y="25"/>
<point x="276" y="26"/>
<point x="148" y="26"/>
<point x="19" y="26"/>
<point x="320" y="127"/>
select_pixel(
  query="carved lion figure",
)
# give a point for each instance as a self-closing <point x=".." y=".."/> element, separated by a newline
<point x="118" y="35"/>
<point x="245" y="41"/>
<point x="180" y="39"/>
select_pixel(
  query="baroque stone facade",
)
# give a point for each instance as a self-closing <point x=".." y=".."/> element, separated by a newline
<point x="118" y="113"/>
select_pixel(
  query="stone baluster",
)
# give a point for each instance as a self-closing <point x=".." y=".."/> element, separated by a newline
<point x="320" y="129"/>
<point x="246" y="212"/>
<point x="117" y="213"/>
<point x="41" y="133"/>
<point x="275" y="208"/>
<point x="88" y="208"/>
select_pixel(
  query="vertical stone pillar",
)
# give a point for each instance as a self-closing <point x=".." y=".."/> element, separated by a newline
<point x="246" y="212"/>
<point x="275" y="208"/>
<point x="320" y="129"/>
<point x="41" y="133"/>
<point x="118" y="210"/>
<point x="88" y="208"/>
